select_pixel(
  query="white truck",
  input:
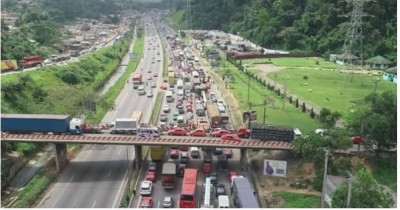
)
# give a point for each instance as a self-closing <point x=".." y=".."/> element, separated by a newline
<point x="125" y="126"/>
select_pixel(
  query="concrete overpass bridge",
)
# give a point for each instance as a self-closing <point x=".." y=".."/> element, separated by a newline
<point x="60" y="142"/>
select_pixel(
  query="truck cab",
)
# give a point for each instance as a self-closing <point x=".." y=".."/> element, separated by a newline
<point x="243" y="132"/>
<point x="75" y="126"/>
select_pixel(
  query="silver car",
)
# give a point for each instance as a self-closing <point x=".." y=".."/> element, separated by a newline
<point x="168" y="202"/>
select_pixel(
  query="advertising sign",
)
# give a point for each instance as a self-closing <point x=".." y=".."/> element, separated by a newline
<point x="252" y="116"/>
<point x="275" y="168"/>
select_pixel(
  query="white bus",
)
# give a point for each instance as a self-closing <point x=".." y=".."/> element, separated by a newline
<point x="207" y="192"/>
<point x="179" y="84"/>
<point x="148" y="132"/>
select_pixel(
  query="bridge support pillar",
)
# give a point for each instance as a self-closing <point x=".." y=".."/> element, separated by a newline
<point x="138" y="156"/>
<point x="243" y="157"/>
<point x="61" y="156"/>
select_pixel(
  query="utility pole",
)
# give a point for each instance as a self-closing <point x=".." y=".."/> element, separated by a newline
<point x="265" y="108"/>
<point x="324" y="181"/>
<point x="275" y="77"/>
<point x="348" y="193"/>
<point x="353" y="45"/>
<point x="188" y="15"/>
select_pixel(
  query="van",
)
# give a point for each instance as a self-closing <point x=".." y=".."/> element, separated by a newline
<point x="184" y="157"/>
<point x="148" y="132"/>
<point x="169" y="96"/>
<point x="297" y="133"/>
<point x="223" y="202"/>
<point x="194" y="152"/>
<point x="180" y="119"/>
<point x="141" y="90"/>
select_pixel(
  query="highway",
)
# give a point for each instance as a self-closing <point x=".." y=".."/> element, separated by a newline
<point x="158" y="192"/>
<point x="97" y="176"/>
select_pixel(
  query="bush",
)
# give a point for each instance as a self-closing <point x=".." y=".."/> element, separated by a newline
<point x="303" y="107"/>
<point x="312" y="114"/>
<point x="305" y="77"/>
<point x="297" y="103"/>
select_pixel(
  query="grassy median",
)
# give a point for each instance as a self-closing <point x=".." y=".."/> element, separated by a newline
<point x="156" y="109"/>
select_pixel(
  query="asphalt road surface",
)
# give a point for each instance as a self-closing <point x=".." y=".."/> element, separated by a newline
<point x="97" y="176"/>
<point x="159" y="193"/>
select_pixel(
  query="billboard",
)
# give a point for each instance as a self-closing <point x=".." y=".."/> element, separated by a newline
<point x="252" y="115"/>
<point x="275" y="168"/>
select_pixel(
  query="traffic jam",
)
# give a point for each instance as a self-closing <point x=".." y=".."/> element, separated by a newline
<point x="192" y="106"/>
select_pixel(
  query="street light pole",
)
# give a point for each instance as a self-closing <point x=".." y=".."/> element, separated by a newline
<point x="324" y="180"/>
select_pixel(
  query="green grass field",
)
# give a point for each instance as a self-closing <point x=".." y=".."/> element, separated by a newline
<point x="289" y="116"/>
<point x="297" y="62"/>
<point x="329" y="88"/>
<point x="296" y="200"/>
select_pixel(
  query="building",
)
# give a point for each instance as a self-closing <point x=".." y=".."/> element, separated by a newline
<point x="390" y="74"/>
<point x="378" y="62"/>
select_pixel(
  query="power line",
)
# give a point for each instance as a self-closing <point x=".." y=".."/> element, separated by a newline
<point x="353" y="46"/>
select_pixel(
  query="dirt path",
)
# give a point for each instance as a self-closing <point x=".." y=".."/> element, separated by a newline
<point x="270" y="68"/>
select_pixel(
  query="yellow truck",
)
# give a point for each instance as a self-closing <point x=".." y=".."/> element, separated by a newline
<point x="171" y="78"/>
<point x="8" y="65"/>
<point x="157" y="153"/>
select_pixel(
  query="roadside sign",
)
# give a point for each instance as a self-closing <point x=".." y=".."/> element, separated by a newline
<point x="275" y="168"/>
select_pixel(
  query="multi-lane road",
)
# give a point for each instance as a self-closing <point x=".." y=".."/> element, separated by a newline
<point x="159" y="193"/>
<point x="97" y="176"/>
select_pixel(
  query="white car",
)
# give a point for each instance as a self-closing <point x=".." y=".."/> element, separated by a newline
<point x="153" y="85"/>
<point x="220" y="103"/>
<point x="166" y="108"/>
<point x="146" y="187"/>
<point x="149" y="94"/>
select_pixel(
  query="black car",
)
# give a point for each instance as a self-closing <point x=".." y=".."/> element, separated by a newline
<point x="181" y="170"/>
<point x="220" y="190"/>
<point x="181" y="111"/>
<point x="207" y="158"/>
<point x="214" y="178"/>
<point x="152" y="166"/>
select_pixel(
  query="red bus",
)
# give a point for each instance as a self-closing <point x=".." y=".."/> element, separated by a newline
<point x="188" y="194"/>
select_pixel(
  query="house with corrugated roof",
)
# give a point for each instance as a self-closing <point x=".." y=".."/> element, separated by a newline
<point x="390" y="74"/>
<point x="378" y="62"/>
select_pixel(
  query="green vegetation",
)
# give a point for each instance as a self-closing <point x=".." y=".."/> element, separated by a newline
<point x="365" y="193"/>
<point x="319" y="85"/>
<point x="175" y="20"/>
<point x="156" y="108"/>
<point x="287" y="116"/>
<point x="296" y="200"/>
<point x="114" y="91"/>
<point x="314" y="27"/>
<point x="35" y="187"/>
<point x="385" y="172"/>
<point x="315" y="62"/>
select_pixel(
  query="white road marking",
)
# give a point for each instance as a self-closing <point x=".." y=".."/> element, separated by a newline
<point x="75" y="202"/>
<point x="120" y="150"/>
<point x="90" y="151"/>
<point x="109" y="173"/>
<point x="158" y="206"/>
<point x="94" y="204"/>
<point x="140" y="199"/>
<point x="65" y="188"/>
<point x="120" y="188"/>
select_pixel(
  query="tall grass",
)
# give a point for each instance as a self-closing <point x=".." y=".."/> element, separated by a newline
<point x="296" y="200"/>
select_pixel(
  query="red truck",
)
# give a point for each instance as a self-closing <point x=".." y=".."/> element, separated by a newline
<point x="137" y="80"/>
<point x="31" y="61"/>
<point x="169" y="175"/>
<point x="243" y="132"/>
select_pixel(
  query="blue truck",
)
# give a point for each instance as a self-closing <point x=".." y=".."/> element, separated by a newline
<point x="222" y="164"/>
<point x="40" y="123"/>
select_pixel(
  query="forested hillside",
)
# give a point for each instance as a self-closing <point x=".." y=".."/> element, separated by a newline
<point x="316" y="26"/>
<point x="41" y="22"/>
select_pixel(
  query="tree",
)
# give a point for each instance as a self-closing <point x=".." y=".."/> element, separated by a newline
<point x="312" y="147"/>
<point x="365" y="193"/>
<point x="375" y="118"/>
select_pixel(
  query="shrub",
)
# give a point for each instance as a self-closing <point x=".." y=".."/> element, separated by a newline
<point x="312" y="114"/>
<point x="297" y="103"/>
<point x="305" y="77"/>
<point x="303" y="107"/>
